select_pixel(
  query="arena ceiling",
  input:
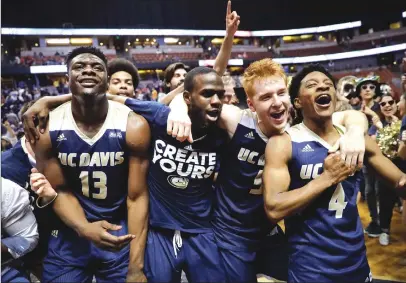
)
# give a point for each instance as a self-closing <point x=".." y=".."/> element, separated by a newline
<point x="197" y="14"/>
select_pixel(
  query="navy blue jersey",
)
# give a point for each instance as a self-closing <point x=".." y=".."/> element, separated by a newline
<point x="326" y="238"/>
<point x="16" y="164"/>
<point x="95" y="169"/>
<point x="180" y="177"/>
<point x="239" y="216"/>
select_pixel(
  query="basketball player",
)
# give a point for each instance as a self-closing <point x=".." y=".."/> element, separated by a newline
<point x="93" y="155"/>
<point x="180" y="184"/>
<point x="123" y="77"/>
<point x="240" y="224"/>
<point x="316" y="192"/>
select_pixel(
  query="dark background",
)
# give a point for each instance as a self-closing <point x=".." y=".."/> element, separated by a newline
<point x="197" y="14"/>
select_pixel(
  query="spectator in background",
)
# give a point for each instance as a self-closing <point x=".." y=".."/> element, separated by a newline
<point x="387" y="196"/>
<point x="8" y="136"/>
<point x="367" y="88"/>
<point x="345" y="86"/>
<point x="385" y="89"/>
<point x="174" y="76"/>
<point x="123" y="77"/>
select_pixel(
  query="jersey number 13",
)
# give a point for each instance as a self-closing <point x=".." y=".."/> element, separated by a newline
<point x="99" y="182"/>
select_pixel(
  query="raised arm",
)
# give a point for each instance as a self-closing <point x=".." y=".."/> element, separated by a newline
<point x="352" y="144"/>
<point x="67" y="206"/>
<point x="167" y="99"/>
<point x="138" y="140"/>
<point x="385" y="167"/>
<point x="279" y="202"/>
<point x="232" y="23"/>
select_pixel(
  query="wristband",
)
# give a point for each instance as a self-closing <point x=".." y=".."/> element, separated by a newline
<point x="39" y="206"/>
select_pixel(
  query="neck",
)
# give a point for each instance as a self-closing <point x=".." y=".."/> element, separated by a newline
<point x="369" y="102"/>
<point x="322" y="128"/>
<point x="89" y="110"/>
<point x="266" y="131"/>
<point x="199" y="131"/>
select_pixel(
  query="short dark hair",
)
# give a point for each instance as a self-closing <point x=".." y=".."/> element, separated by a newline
<point x="296" y="81"/>
<point x="123" y="65"/>
<point x="198" y="71"/>
<point x="85" y="49"/>
<point x="170" y="71"/>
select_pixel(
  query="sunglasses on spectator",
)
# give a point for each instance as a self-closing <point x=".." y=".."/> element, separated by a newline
<point x="390" y="102"/>
<point x="371" y="87"/>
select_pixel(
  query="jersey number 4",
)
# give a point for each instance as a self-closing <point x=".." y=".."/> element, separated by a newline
<point x="99" y="182"/>
<point x="337" y="202"/>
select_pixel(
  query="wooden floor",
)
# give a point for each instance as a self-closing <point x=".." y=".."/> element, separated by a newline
<point x="386" y="262"/>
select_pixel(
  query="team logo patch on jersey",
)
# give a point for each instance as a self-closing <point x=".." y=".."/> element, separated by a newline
<point x="115" y="135"/>
<point x="178" y="182"/>
<point x="61" y="138"/>
<point x="307" y="148"/>
<point x="250" y="135"/>
<point x="188" y="147"/>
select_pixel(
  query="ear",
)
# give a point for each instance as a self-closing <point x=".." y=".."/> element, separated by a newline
<point x="187" y="97"/>
<point x="250" y="105"/>
<point x="168" y="85"/>
<point x="297" y="103"/>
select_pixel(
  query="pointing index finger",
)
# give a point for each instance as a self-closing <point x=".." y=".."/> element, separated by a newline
<point x="228" y="8"/>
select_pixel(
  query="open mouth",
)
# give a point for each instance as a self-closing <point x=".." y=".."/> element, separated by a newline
<point x="323" y="99"/>
<point x="213" y="114"/>
<point x="278" y="115"/>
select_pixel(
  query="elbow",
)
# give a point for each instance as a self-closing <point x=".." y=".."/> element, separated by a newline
<point x="272" y="212"/>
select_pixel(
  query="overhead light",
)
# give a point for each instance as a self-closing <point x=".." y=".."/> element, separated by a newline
<point x="147" y="39"/>
<point x="81" y="41"/>
<point x="217" y="40"/>
<point x="36" y="44"/>
<point x="209" y="48"/>
<point x="137" y="39"/>
<point x="404" y="14"/>
<point x="128" y="43"/>
<point x="231" y="62"/>
<point x="6" y="52"/>
<point x="171" y="40"/>
<point x="126" y="50"/>
<point x="154" y="40"/>
<point x="101" y="43"/>
<point x="57" y="41"/>
<point x="179" y="43"/>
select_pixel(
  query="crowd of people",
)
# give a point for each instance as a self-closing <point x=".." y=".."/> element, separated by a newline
<point x="101" y="185"/>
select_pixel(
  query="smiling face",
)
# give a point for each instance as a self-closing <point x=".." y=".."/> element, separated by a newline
<point x="87" y="75"/>
<point x="388" y="106"/>
<point x="317" y="96"/>
<point x="271" y="102"/>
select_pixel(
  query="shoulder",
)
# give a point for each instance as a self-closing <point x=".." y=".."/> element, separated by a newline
<point x="138" y="132"/>
<point x="279" y="145"/>
<point x="230" y="118"/>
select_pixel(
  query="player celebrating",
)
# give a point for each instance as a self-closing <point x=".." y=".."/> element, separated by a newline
<point x="239" y="203"/>
<point x="94" y="156"/>
<point x="316" y="192"/>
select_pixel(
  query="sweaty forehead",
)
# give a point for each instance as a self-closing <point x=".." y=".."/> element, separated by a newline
<point x="87" y="58"/>
<point x="269" y="83"/>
